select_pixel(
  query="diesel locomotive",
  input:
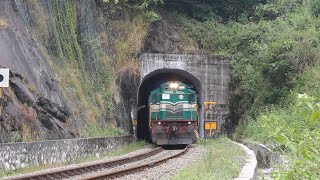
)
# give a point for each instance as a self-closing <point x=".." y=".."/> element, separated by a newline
<point x="173" y="114"/>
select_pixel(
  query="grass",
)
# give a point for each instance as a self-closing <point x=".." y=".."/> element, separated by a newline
<point x="28" y="169"/>
<point x="96" y="130"/>
<point x="223" y="160"/>
<point x="27" y="134"/>
<point x="127" y="149"/>
<point x="129" y="43"/>
<point x="113" y="153"/>
<point x="88" y="74"/>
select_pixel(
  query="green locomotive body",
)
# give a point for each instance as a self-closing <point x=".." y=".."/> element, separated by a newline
<point x="173" y="117"/>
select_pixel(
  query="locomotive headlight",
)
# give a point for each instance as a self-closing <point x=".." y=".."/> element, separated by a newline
<point x="192" y="106"/>
<point x="174" y="85"/>
<point x="162" y="106"/>
<point x="189" y="122"/>
<point x="180" y="96"/>
<point x="185" y="106"/>
<point x="159" y="123"/>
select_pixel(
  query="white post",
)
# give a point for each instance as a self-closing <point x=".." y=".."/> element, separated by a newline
<point x="201" y="120"/>
<point x="4" y="82"/>
<point x="1" y="102"/>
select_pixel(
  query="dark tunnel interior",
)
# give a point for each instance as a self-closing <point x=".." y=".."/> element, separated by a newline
<point x="153" y="81"/>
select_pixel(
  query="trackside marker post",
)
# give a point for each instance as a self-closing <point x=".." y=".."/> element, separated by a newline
<point x="4" y="82"/>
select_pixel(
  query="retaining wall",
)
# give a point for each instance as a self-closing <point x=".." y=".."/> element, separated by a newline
<point x="265" y="156"/>
<point x="249" y="170"/>
<point x="16" y="155"/>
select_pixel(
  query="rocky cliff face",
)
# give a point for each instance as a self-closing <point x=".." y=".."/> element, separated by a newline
<point x="167" y="37"/>
<point x="74" y="65"/>
<point x="73" y="68"/>
<point x="34" y="104"/>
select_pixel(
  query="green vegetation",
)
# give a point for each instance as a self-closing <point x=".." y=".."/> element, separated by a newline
<point x="127" y="149"/>
<point x="94" y="130"/>
<point x="81" y="71"/>
<point x="294" y="131"/>
<point x="268" y="53"/>
<point x="113" y="153"/>
<point x="129" y="43"/>
<point x="90" y="60"/>
<point x="147" y="8"/>
<point x="275" y="80"/>
<point x="221" y="10"/>
<point x="27" y="169"/>
<point x="293" y="128"/>
<point x="224" y="160"/>
<point x="90" y="74"/>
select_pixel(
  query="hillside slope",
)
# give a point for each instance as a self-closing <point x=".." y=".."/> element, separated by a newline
<point x="34" y="104"/>
<point x="74" y="65"/>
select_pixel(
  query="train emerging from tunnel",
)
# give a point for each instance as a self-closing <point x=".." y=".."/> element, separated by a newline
<point x="173" y="114"/>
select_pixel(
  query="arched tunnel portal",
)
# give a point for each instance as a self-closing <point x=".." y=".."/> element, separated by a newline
<point x="208" y="74"/>
<point x="152" y="81"/>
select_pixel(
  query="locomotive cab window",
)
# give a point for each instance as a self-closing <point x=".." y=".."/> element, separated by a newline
<point x="154" y="99"/>
<point x="191" y="99"/>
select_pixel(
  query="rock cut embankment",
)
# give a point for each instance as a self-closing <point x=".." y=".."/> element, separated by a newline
<point x="34" y="103"/>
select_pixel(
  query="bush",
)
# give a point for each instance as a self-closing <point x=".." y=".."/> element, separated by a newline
<point x="268" y="54"/>
<point x="294" y="131"/>
<point x="276" y="57"/>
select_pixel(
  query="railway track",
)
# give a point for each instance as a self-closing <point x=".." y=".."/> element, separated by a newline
<point x="74" y="171"/>
<point x="130" y="170"/>
<point x="90" y="172"/>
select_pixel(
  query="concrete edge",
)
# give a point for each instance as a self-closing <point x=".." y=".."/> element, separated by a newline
<point x="70" y="139"/>
<point x="266" y="157"/>
<point x="248" y="171"/>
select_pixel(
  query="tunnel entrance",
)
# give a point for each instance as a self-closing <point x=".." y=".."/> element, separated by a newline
<point x="153" y="81"/>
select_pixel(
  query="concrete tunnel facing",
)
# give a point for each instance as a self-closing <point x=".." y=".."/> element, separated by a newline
<point x="208" y="74"/>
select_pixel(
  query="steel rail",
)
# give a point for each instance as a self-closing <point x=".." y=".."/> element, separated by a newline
<point x="130" y="170"/>
<point x="73" y="171"/>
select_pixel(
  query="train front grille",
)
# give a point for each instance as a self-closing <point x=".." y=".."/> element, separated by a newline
<point x="171" y="111"/>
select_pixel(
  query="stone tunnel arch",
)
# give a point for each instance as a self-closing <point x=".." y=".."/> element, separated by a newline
<point x="152" y="81"/>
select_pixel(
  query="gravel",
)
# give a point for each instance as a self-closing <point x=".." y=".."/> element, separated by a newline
<point x="150" y="159"/>
<point x="171" y="167"/>
<point x="163" y="171"/>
